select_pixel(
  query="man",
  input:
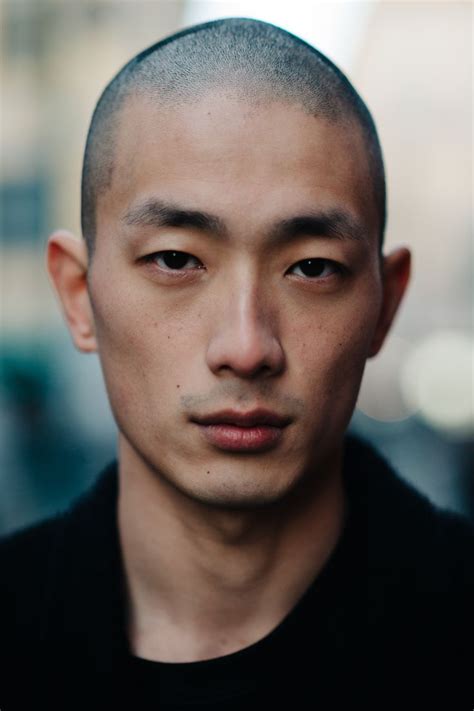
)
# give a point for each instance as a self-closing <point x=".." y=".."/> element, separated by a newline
<point x="232" y="281"/>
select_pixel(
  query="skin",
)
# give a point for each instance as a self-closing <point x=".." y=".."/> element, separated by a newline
<point x="219" y="546"/>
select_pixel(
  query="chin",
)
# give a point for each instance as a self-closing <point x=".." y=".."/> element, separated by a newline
<point x="228" y="498"/>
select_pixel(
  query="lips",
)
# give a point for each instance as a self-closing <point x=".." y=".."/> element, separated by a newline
<point x="255" y="431"/>
<point x="244" y="419"/>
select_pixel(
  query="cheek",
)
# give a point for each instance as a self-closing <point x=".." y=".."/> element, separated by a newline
<point x="142" y="349"/>
<point x="329" y="368"/>
<point x="333" y="351"/>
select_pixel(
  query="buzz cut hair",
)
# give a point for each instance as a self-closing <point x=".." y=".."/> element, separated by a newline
<point x="255" y="60"/>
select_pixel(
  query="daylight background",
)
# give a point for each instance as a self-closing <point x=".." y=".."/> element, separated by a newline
<point x="412" y="64"/>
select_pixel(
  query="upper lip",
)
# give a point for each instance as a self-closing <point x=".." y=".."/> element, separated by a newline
<point x="245" y="419"/>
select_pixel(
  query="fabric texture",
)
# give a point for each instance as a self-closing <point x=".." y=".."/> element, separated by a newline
<point x="389" y="620"/>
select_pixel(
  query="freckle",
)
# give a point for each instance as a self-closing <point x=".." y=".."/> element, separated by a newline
<point x="169" y="337"/>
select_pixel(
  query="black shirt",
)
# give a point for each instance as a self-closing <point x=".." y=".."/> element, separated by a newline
<point x="388" y="621"/>
<point x="251" y="676"/>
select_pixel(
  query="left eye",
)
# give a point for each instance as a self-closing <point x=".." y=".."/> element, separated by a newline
<point x="174" y="261"/>
<point x="317" y="267"/>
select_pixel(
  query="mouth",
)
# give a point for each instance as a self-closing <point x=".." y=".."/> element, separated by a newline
<point x="253" y="418"/>
<point x="230" y="430"/>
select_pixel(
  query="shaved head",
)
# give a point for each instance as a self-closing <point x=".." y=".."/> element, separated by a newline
<point x="248" y="59"/>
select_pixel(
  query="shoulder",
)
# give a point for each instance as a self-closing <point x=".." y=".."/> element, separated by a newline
<point x="420" y="581"/>
<point x="415" y="548"/>
<point x="23" y="553"/>
<point x="34" y="560"/>
<point x="421" y="556"/>
<point x="400" y="516"/>
<point x="25" y="559"/>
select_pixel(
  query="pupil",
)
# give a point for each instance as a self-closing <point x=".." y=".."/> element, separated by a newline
<point x="315" y="267"/>
<point x="175" y="260"/>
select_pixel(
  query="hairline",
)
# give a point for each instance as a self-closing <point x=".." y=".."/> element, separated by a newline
<point x="135" y="80"/>
<point x="347" y="121"/>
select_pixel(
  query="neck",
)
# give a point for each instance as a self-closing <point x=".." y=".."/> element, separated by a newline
<point x="203" y="582"/>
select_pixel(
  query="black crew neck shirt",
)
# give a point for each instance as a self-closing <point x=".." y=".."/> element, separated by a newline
<point x="299" y="661"/>
<point x="387" y="623"/>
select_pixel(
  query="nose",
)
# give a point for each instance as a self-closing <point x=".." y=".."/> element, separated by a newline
<point x="244" y="337"/>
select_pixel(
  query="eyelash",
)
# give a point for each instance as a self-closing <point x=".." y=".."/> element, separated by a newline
<point x="150" y="258"/>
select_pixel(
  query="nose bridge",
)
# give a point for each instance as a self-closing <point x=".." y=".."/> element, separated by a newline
<point x="245" y="331"/>
<point x="248" y="305"/>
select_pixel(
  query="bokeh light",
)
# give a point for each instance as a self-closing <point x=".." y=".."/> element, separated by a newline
<point x="437" y="381"/>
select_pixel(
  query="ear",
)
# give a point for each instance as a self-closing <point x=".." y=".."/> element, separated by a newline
<point x="395" y="276"/>
<point x="67" y="263"/>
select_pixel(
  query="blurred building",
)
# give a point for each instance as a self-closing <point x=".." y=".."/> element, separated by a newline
<point x="412" y="64"/>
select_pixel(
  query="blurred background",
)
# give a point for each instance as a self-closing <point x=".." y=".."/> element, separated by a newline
<point x="412" y="64"/>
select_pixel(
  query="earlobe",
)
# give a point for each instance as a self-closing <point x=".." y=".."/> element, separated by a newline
<point x="67" y="264"/>
<point x="396" y="275"/>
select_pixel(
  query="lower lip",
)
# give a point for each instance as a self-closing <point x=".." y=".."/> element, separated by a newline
<point x="237" y="439"/>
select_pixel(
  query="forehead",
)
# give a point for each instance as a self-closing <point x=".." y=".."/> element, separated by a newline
<point x="231" y="157"/>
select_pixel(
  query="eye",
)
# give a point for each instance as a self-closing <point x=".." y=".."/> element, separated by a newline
<point x="173" y="261"/>
<point x="318" y="268"/>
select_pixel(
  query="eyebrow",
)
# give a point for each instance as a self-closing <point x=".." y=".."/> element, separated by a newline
<point x="334" y="223"/>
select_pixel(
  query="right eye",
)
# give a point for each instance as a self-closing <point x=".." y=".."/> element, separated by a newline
<point x="174" y="261"/>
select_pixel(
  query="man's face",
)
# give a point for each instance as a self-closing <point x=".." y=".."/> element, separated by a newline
<point x="239" y="321"/>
